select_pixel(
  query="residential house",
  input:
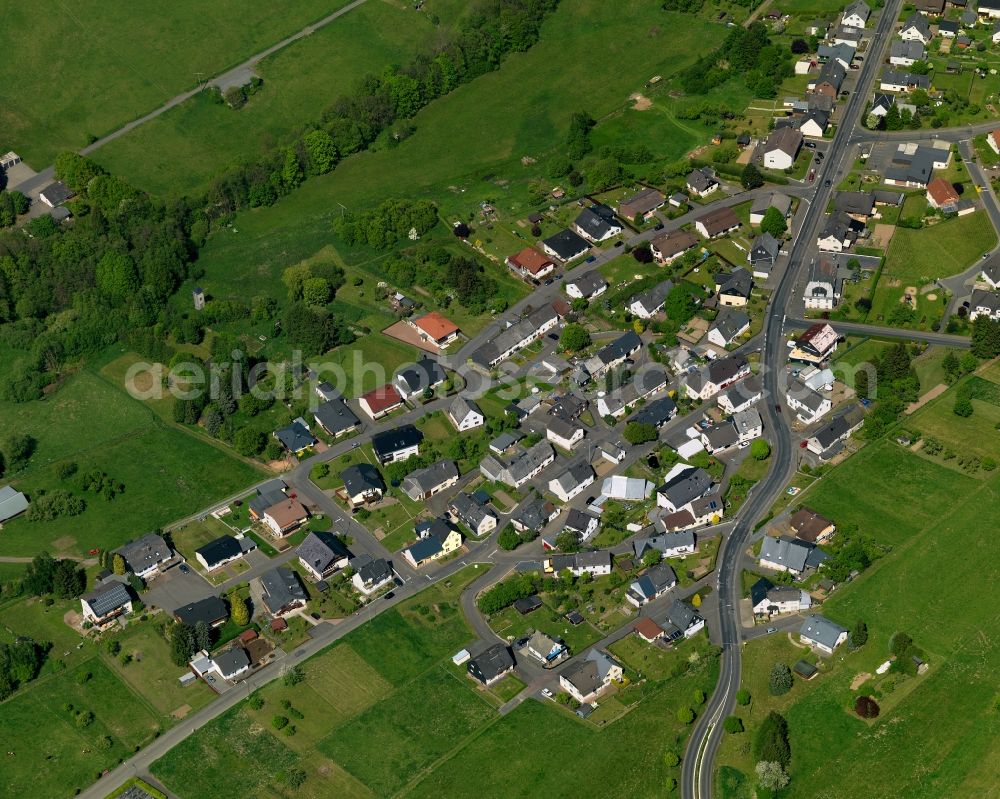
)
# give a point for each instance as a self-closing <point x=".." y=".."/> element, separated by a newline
<point x="684" y="621"/>
<point x="648" y="303"/>
<point x="438" y="539"/>
<point x="566" y="245"/>
<point x="678" y="199"/>
<point x="381" y="401"/>
<point x="811" y="527"/>
<point x="768" y="599"/>
<point x="371" y="574"/>
<point x="211" y="610"/>
<point x="989" y="274"/>
<point x="839" y="232"/>
<point x="825" y="286"/>
<point x="620" y="401"/>
<point x="906" y="53"/>
<point x="56" y="194"/>
<point x="933" y="8"/>
<point x="893" y="80"/>
<point x="572" y="482"/>
<point x="524" y="466"/>
<point x="643" y="203"/>
<point x="232" y="663"/>
<point x="12" y="503"/>
<point x="268" y="494"/>
<point x="146" y="556"/>
<point x="682" y="485"/>
<point x="856" y="14"/>
<point x="657" y="412"/>
<point x="717" y="375"/>
<point x="285" y="517"/>
<point x="648" y="630"/>
<point x="816" y="344"/>
<point x="825" y="442"/>
<point x="763" y="254"/>
<point x="515" y="337"/>
<point x="948" y="28"/>
<point x="670" y="545"/>
<point x="474" y="514"/>
<point x="654" y="583"/>
<point x="613" y="355"/>
<point x="279" y="591"/>
<point x="336" y="418"/>
<point x="988" y="9"/>
<point x="741" y="396"/>
<point x="416" y="379"/>
<point x="434" y="328"/>
<point x="397" y="444"/>
<point x="843" y="53"/>
<point x="562" y="433"/>
<point x="596" y="564"/>
<point x="586" y="286"/>
<point x="424" y="483"/>
<point x="912" y="164"/>
<point x="789" y="555"/>
<point x="296" y="437"/>
<point x="984" y="303"/>
<point x="809" y="406"/>
<point x="222" y="550"/>
<point x="702" y="182"/>
<point x="505" y="441"/>
<point x="858" y="205"/>
<point x="465" y="414"/>
<point x="830" y="79"/>
<point x="106" y="603"/>
<point x="491" y="665"/>
<point x="587" y="679"/>
<point x="547" y="651"/>
<point x="668" y="247"/>
<point x="717" y="222"/>
<point x="814" y="124"/>
<point x="822" y="634"/>
<point x="782" y="148"/>
<point x="530" y="264"/>
<point x="941" y="195"/>
<point x="728" y="326"/>
<point x="916" y="29"/>
<point x="748" y="425"/>
<point x="760" y="206"/>
<point x="719" y="437"/>
<point x="533" y="514"/>
<point x="597" y="223"/>
<point x="362" y="484"/>
<point x="627" y="489"/>
<point x="734" y="288"/>
<point x="322" y="554"/>
<point x="881" y="103"/>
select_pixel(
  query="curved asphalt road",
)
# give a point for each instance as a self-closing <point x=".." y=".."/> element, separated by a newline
<point x="697" y="774"/>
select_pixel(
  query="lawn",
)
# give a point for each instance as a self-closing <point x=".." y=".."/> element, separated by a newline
<point x="976" y="435"/>
<point x="52" y="755"/>
<point x="510" y="624"/>
<point x="119" y="60"/>
<point x="181" y="150"/>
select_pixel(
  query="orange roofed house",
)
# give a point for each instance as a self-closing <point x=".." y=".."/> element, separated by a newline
<point x="380" y="401"/>
<point x="942" y="195"/>
<point x="435" y="329"/>
<point x="530" y="264"/>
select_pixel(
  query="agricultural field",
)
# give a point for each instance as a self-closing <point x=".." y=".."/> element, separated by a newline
<point x="53" y="755"/>
<point x="167" y="473"/>
<point x="935" y="731"/>
<point x="118" y="61"/>
<point x="918" y="257"/>
<point x="180" y="151"/>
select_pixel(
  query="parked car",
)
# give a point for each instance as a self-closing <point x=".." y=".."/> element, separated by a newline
<point x="546" y="693"/>
<point x="772" y="630"/>
<point x="827" y="182"/>
<point x="811" y="145"/>
<point x="591" y="259"/>
<point x="812" y="174"/>
<point x="619" y="243"/>
<point x="390" y="595"/>
<point x="658" y="226"/>
<point x="183" y="568"/>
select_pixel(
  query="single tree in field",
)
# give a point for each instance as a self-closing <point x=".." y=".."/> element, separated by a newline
<point x="859" y="634"/>
<point x="771" y="775"/>
<point x="780" y="680"/>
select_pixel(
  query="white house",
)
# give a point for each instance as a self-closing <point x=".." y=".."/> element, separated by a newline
<point x="465" y="414"/>
<point x="106" y="603"/>
<point x="587" y="679"/>
<point x="371" y="574"/>
<point x="782" y="147"/>
<point x="562" y="433"/>
<point x="748" y="425"/>
<point x="809" y="406"/>
<point x="572" y="482"/>
<point x="822" y="634"/>
<point x="146" y="556"/>
<point x="856" y="14"/>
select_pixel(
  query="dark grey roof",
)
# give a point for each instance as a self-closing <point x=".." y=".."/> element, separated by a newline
<point x="686" y="486"/>
<point x="589" y="675"/>
<point x="534" y="513"/>
<point x="722" y="435"/>
<point x="371" y="570"/>
<point x="361" y="477"/>
<point x="335" y="416"/>
<point x="785" y="551"/>
<point x="898" y="78"/>
<point x="422" y="481"/>
<point x="209" y="610"/>
<point x="145" y="552"/>
<point x="321" y="550"/>
<point x="739" y="282"/>
<point x="663" y="542"/>
<point x="620" y="348"/>
<point x="657" y="412"/>
<point x="108" y="597"/>
<point x="730" y="323"/>
<point x="911" y="49"/>
<point x="462" y="406"/>
<point x="822" y="630"/>
<point x="222" y="548"/>
<point x="758" y="591"/>
<point x="399" y="438"/>
<point x="833" y="72"/>
<point x="588" y="283"/>
<point x="232" y="660"/>
<point x="12" y="502"/>
<point x="266" y="499"/>
<point x="832" y="432"/>
<point x="653" y="299"/>
<point x="566" y="244"/>
<point x="281" y="587"/>
<point x="295" y="437"/>
<point x="422" y="375"/>
<point x="57" y="192"/>
<point x="839" y="226"/>
<point x="596" y="224"/>
<point x="578" y="521"/>
<point x="470" y="510"/>
<point x="682" y="615"/>
<point x="702" y="179"/>
<point x="855" y="202"/>
<point x="491" y="663"/>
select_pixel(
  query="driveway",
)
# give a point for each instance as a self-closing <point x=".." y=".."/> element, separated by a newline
<point x="174" y="589"/>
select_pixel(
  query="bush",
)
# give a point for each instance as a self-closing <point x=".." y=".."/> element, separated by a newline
<point x="671" y="759"/>
<point x="685" y="715"/>
<point x="743" y="697"/>
<point x="733" y="724"/>
<point x="256" y="702"/>
<point x="279" y="722"/>
<point x="780" y="681"/>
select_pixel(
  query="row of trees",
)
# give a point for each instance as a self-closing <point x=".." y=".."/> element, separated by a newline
<point x="747" y="52"/>
<point x="46" y="575"/>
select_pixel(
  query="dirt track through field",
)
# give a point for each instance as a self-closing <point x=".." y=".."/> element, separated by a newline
<point x="937" y="391"/>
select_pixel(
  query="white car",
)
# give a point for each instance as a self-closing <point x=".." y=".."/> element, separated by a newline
<point x="546" y="693"/>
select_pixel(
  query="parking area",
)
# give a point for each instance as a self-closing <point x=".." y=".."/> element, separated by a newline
<point x="174" y="589"/>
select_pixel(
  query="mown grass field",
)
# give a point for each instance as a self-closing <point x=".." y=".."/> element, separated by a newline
<point x="972" y="435"/>
<point x="52" y="755"/>
<point x="936" y="731"/>
<point x="118" y="60"/>
<point x="167" y="473"/>
<point x="180" y="151"/>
